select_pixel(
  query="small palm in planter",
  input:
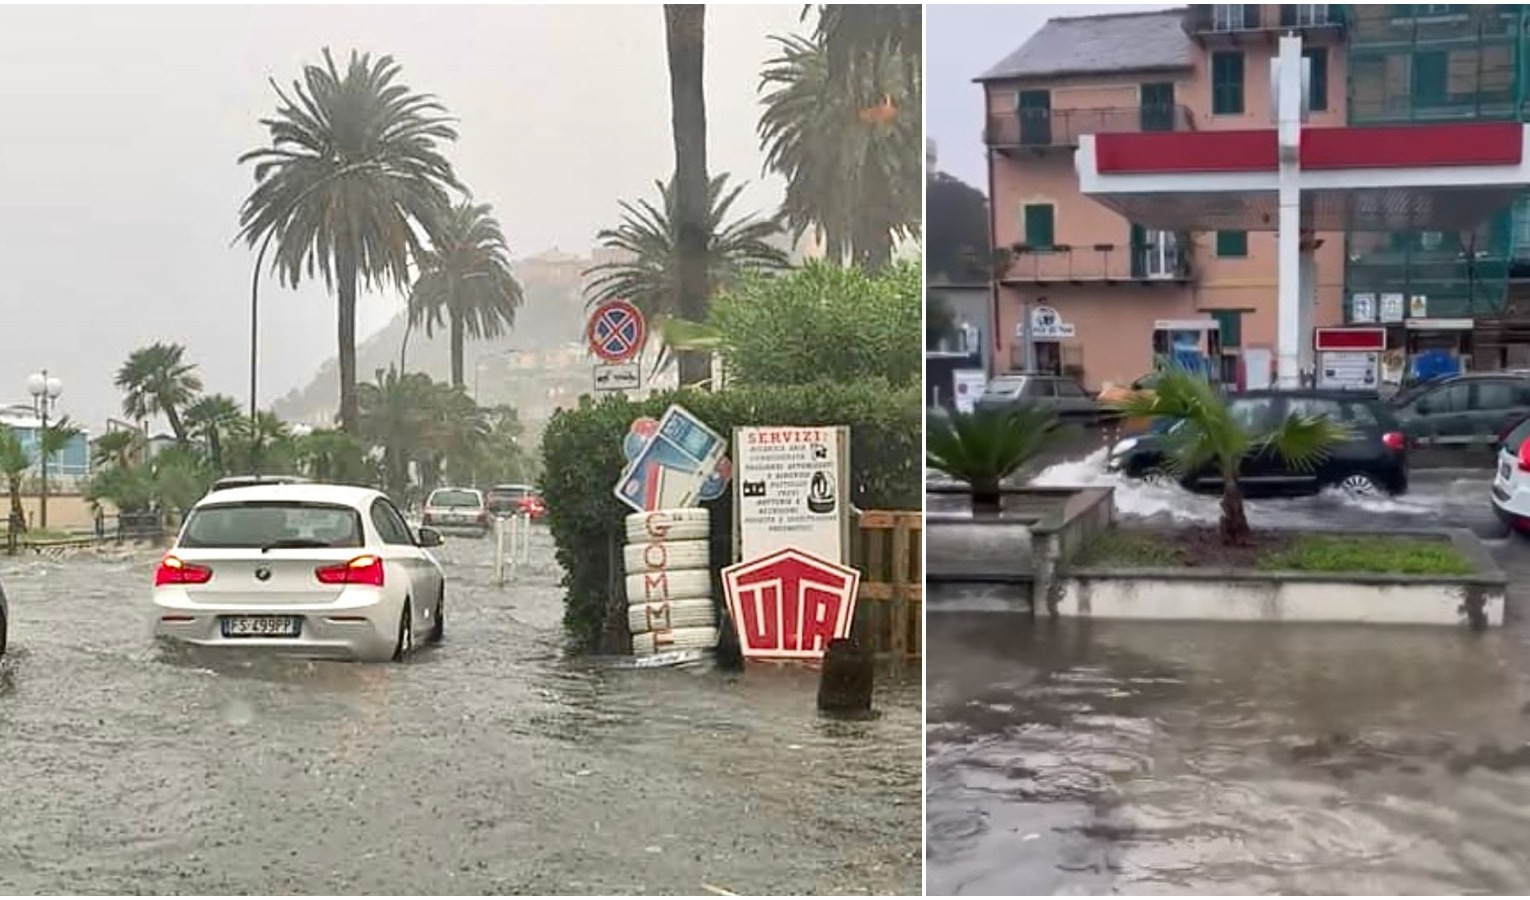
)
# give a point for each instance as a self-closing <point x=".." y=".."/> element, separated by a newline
<point x="985" y="447"/>
<point x="1206" y="432"/>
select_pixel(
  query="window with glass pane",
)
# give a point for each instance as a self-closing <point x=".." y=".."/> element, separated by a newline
<point x="1039" y="225"/>
<point x="1521" y="229"/>
<point x="1317" y="78"/>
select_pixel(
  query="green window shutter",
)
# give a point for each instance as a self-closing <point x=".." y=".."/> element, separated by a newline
<point x="1039" y="225"/>
<point x="1227" y="83"/>
<point x="1229" y="327"/>
<point x="1317" y="86"/>
<point x="1232" y="243"/>
<point x="1429" y="78"/>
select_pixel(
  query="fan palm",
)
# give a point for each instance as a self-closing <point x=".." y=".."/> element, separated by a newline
<point x="984" y="447"/>
<point x="260" y="445"/>
<point x="352" y="171"/>
<point x="212" y="418"/>
<point x="848" y="144"/>
<point x="397" y="415"/>
<point x="334" y="456"/>
<point x="114" y="449"/>
<point x="14" y="464"/>
<point x="1206" y="432"/>
<point x="648" y="277"/>
<point x="158" y="381"/>
<point x="465" y="281"/>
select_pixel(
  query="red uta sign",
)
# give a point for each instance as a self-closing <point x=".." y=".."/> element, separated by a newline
<point x="790" y="604"/>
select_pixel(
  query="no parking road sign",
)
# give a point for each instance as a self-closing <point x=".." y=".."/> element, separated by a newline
<point x="617" y="331"/>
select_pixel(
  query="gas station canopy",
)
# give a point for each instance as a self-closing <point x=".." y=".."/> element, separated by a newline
<point x="1445" y="177"/>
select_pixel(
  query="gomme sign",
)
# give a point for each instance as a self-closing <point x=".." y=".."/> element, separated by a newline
<point x="790" y="604"/>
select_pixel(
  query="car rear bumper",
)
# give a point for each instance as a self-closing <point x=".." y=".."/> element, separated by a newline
<point x="361" y="626"/>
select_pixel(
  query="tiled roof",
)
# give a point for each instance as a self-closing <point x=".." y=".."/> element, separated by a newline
<point x="1116" y="42"/>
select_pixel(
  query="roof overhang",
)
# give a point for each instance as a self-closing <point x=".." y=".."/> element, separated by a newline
<point x="1396" y="178"/>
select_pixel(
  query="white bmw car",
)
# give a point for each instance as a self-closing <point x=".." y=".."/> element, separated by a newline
<point x="305" y="569"/>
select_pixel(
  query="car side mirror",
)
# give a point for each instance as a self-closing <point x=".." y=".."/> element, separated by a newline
<point x="429" y="537"/>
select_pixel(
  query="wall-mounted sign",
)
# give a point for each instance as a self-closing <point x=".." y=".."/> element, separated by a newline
<point x="790" y="604"/>
<point x="674" y="462"/>
<point x="792" y="490"/>
<point x="1362" y="308"/>
<point x="1047" y="325"/>
<point x="1418" y="306"/>
<point x="1349" y="370"/>
<point x="1371" y="340"/>
<point x="1392" y="307"/>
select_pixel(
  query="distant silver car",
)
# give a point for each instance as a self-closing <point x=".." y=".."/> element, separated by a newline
<point x="455" y="510"/>
<point x="303" y="569"/>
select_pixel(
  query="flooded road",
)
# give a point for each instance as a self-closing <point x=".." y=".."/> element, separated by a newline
<point x="490" y="764"/>
<point x="1083" y="757"/>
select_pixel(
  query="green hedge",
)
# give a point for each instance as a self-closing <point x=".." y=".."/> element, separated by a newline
<point x="582" y="452"/>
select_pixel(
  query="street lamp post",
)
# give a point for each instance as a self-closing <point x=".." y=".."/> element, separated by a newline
<point x="44" y="391"/>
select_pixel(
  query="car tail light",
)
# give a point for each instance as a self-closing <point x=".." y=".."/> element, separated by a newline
<point x="361" y="570"/>
<point x="1524" y="456"/>
<point x="173" y="570"/>
<point x="1395" y="440"/>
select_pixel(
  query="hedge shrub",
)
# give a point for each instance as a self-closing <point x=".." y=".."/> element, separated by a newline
<point x="582" y="452"/>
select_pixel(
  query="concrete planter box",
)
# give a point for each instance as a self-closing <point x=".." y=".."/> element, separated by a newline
<point x="1242" y="595"/>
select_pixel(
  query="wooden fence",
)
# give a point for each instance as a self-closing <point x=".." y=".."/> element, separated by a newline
<point x="890" y="609"/>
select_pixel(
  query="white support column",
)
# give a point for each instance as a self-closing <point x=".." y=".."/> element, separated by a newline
<point x="1307" y="293"/>
<point x="1288" y="343"/>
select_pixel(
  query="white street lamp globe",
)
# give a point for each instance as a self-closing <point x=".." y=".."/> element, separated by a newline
<point x="37" y="383"/>
<point x="55" y="387"/>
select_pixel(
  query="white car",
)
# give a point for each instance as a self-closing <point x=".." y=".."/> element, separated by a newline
<point x="305" y="569"/>
<point x="1511" y="483"/>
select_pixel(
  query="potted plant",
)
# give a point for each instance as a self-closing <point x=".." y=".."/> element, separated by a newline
<point x="983" y="448"/>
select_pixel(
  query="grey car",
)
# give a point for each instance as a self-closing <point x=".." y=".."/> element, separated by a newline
<point x="1059" y="393"/>
<point x="1463" y="410"/>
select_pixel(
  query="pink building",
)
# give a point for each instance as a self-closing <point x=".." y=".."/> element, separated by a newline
<point x="1103" y="294"/>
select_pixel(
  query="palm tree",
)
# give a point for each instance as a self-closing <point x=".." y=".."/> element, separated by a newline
<point x="465" y="280"/>
<point x="983" y="448"/>
<point x="211" y="418"/>
<point x="352" y="171"/>
<point x="396" y="414"/>
<point x="647" y="237"/>
<point x="460" y="432"/>
<point x="334" y="456"/>
<point x="114" y="449"/>
<point x="855" y="34"/>
<point x="158" y="381"/>
<point x="260" y="445"/>
<point x="685" y="41"/>
<point x="14" y="464"/>
<point x="848" y="143"/>
<point x="1207" y="433"/>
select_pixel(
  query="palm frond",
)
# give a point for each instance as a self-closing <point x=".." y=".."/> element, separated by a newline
<point x="1304" y="442"/>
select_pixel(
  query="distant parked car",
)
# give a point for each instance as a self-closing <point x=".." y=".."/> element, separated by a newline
<point x="1059" y="393"/>
<point x="312" y="570"/>
<point x="511" y="499"/>
<point x="1463" y="409"/>
<point x="1373" y="461"/>
<point x="457" y="510"/>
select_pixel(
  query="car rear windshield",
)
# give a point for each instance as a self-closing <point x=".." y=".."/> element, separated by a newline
<point x="272" y="523"/>
<point x="1004" y="387"/>
<point x="454" y="498"/>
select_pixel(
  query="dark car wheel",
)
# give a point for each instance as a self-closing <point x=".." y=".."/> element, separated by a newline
<point x="1360" y="484"/>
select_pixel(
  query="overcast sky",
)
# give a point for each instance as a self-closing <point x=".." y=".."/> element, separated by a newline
<point x="120" y="192"/>
<point x="963" y="42"/>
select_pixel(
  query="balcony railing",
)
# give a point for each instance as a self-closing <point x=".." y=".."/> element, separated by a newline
<point x="1098" y="264"/>
<point x="1232" y="18"/>
<point x="1063" y="127"/>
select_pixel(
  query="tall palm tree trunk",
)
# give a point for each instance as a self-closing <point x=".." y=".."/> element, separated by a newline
<point x="350" y="412"/>
<point x="873" y="247"/>
<point x="18" y="515"/>
<point x="176" y="425"/>
<point x="457" y="337"/>
<point x="684" y="30"/>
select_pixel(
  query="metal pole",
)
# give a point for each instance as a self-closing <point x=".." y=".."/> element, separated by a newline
<point x="255" y="316"/>
<point x="1027" y="341"/>
<point x="499" y="550"/>
<point x="42" y="447"/>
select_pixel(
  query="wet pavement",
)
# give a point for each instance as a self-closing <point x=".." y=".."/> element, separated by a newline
<point x="1081" y="757"/>
<point x="490" y="764"/>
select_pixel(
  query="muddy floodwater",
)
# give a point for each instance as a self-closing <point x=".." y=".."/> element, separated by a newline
<point x="1085" y="757"/>
<point x="490" y="764"/>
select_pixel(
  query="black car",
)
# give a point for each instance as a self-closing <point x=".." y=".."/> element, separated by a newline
<point x="1463" y="409"/>
<point x="1372" y="461"/>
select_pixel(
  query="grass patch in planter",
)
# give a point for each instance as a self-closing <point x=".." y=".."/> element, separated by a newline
<point x="1372" y="554"/>
<point x="1199" y="547"/>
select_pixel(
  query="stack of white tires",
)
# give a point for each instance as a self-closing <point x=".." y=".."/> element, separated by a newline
<point x="668" y="565"/>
